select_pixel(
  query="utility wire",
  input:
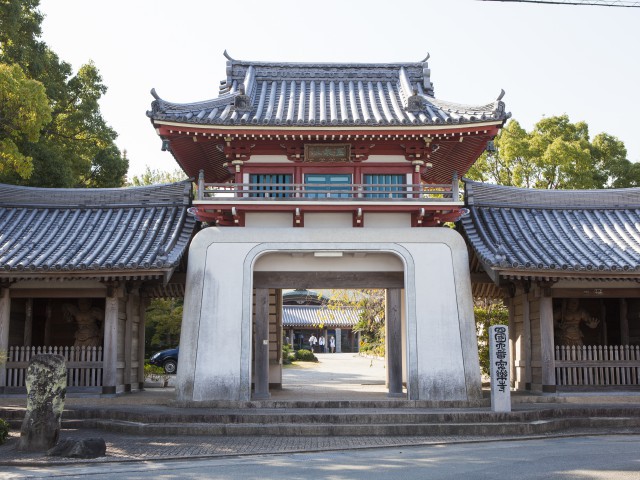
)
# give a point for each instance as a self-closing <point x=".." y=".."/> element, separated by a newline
<point x="600" y="3"/>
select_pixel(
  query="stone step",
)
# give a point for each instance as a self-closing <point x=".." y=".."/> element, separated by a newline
<point x="161" y="420"/>
<point x="537" y="427"/>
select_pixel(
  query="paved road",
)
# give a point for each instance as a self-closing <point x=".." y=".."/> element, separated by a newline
<point x="589" y="458"/>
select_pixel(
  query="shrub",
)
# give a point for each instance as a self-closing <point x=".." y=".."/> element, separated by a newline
<point x="288" y="355"/>
<point x="155" y="373"/>
<point x="4" y="431"/>
<point x="305" y="356"/>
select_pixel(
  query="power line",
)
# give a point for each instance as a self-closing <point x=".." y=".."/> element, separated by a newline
<point x="600" y="3"/>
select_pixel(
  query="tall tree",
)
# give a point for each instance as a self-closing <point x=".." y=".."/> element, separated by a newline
<point x="24" y="110"/>
<point x="75" y="147"/>
<point x="556" y="154"/>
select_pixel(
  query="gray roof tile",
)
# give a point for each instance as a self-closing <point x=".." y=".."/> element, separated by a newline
<point x="314" y="316"/>
<point x="307" y="94"/>
<point x="549" y="232"/>
<point x="99" y="231"/>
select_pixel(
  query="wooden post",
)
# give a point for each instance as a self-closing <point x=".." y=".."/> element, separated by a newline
<point x="624" y="322"/>
<point x="142" y="311"/>
<point x="603" y="323"/>
<point x="394" y="341"/>
<point x="28" y="322"/>
<point x="510" y="303"/>
<point x="526" y="340"/>
<point x="128" y="332"/>
<point x="547" y="354"/>
<point x="109" y="372"/>
<point x="47" y="324"/>
<point x="261" y="345"/>
<point x="5" y="316"/>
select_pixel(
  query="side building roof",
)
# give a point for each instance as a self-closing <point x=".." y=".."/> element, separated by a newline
<point x="552" y="234"/>
<point x="138" y="232"/>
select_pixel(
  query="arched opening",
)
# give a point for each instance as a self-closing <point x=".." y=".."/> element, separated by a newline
<point x="347" y="377"/>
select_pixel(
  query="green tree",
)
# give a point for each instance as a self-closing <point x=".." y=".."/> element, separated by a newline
<point x="487" y="312"/>
<point x="24" y="110"/>
<point x="556" y="154"/>
<point x="153" y="176"/>
<point x="76" y="147"/>
<point x="371" y="321"/>
<point x="163" y="323"/>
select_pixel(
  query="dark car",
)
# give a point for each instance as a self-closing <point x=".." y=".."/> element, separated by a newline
<point x="167" y="359"/>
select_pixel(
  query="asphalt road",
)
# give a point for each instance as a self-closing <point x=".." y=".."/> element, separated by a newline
<point x="590" y="458"/>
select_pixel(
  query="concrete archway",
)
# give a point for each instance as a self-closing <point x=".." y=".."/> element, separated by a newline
<point x="227" y="264"/>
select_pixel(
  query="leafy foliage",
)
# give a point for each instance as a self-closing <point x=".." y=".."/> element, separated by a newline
<point x="305" y="355"/>
<point x="288" y="355"/>
<point x="163" y="322"/>
<point x="487" y="313"/>
<point x="4" y="431"/>
<point x="72" y="146"/>
<point x="155" y="373"/>
<point x="24" y="110"/>
<point x="556" y="154"/>
<point x="154" y="176"/>
<point x="371" y="324"/>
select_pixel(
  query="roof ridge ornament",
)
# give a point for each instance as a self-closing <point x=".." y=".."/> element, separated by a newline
<point x="241" y="102"/>
<point x="426" y="58"/>
<point x="227" y="56"/>
<point x="501" y="95"/>
<point x="415" y="103"/>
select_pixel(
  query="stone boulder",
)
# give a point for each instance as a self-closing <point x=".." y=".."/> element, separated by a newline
<point x="86" y="448"/>
<point x="46" y="389"/>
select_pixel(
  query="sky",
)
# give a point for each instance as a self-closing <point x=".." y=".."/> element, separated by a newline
<point x="581" y="61"/>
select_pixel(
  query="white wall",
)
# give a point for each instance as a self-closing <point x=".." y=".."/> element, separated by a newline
<point x="215" y="348"/>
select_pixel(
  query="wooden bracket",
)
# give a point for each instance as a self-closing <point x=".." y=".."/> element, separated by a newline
<point x="358" y="218"/>
<point x="298" y="218"/>
<point x="238" y="152"/>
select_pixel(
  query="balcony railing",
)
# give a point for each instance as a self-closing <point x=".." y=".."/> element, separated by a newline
<point x="291" y="192"/>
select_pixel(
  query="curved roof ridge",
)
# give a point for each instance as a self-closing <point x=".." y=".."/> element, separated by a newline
<point x="162" y="194"/>
<point x="486" y="194"/>
<point x="324" y="64"/>
<point x="495" y="106"/>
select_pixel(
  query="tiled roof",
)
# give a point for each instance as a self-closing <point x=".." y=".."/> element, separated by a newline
<point x="116" y="232"/>
<point x="304" y="297"/>
<point x="554" y="232"/>
<point x="314" y="316"/>
<point x="309" y="94"/>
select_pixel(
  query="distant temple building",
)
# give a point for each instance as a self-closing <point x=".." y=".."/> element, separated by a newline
<point x="305" y="313"/>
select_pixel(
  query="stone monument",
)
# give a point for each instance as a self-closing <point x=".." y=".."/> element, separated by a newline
<point x="499" y="368"/>
<point x="46" y="389"/>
